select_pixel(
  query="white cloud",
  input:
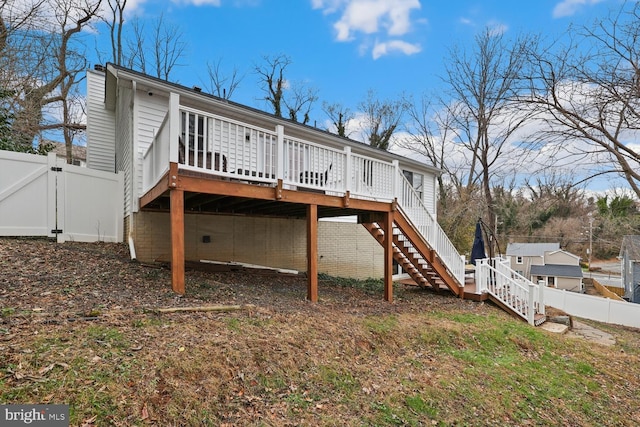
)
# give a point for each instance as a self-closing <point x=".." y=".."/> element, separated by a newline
<point x="466" y="21"/>
<point x="215" y="3"/>
<point x="370" y="16"/>
<point x="385" y="48"/>
<point x="497" y="28"/>
<point x="571" y="7"/>
<point x="373" y="17"/>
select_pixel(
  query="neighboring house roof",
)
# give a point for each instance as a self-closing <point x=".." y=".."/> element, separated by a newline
<point x="77" y="151"/>
<point x="531" y="249"/>
<point x="631" y="245"/>
<point x="556" y="270"/>
<point x="576" y="257"/>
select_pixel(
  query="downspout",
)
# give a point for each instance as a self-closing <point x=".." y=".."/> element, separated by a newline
<point x="133" y="180"/>
<point x="132" y="248"/>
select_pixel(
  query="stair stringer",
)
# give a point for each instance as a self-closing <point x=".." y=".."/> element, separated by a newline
<point x="433" y="271"/>
<point x="420" y="244"/>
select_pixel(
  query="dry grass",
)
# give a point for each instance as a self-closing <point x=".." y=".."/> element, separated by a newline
<point x="75" y="330"/>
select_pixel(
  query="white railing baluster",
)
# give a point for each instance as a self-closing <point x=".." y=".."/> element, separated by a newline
<point x="510" y="288"/>
<point x="541" y="307"/>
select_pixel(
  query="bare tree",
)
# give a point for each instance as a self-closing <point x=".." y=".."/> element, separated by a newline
<point x="588" y="93"/>
<point x="339" y="116"/>
<point x="157" y="52"/>
<point x="115" y="24"/>
<point x="381" y="119"/>
<point x="219" y="84"/>
<point x="483" y="83"/>
<point x="41" y="63"/>
<point x="300" y="100"/>
<point x="297" y="98"/>
<point x="432" y="134"/>
<point x="272" y="81"/>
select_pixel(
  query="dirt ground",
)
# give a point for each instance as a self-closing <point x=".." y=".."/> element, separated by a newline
<point x="78" y="324"/>
<point x="83" y="279"/>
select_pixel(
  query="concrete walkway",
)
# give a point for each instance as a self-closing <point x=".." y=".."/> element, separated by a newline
<point x="580" y="330"/>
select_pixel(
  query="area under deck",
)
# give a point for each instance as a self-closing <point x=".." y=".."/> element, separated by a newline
<point x="181" y="191"/>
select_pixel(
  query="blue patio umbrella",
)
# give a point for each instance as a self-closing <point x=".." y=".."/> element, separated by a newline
<point x="477" y="250"/>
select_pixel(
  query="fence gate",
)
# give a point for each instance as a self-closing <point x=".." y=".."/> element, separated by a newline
<point x="44" y="196"/>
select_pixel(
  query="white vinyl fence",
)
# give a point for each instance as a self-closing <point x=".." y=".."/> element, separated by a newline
<point x="594" y="308"/>
<point x="44" y="196"/>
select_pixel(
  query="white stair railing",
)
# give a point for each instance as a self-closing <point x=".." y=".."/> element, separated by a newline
<point x="495" y="277"/>
<point x="412" y="205"/>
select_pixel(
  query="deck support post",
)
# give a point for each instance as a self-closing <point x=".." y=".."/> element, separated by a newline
<point x="312" y="253"/>
<point x="388" y="256"/>
<point x="177" y="240"/>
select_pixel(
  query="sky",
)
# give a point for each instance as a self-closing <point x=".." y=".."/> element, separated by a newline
<point x="344" y="48"/>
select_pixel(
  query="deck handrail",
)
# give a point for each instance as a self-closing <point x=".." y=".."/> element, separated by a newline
<point x="412" y="204"/>
<point x="155" y="159"/>
<point x="495" y="277"/>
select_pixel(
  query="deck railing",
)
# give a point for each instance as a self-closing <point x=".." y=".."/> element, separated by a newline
<point x="496" y="277"/>
<point x="220" y="146"/>
<point x="155" y="160"/>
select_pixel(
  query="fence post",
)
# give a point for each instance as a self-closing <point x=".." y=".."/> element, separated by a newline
<point x="541" y="306"/>
<point x="531" y="312"/>
<point x="348" y="170"/>
<point x="52" y="195"/>
<point x="280" y="152"/>
<point x="174" y="126"/>
<point x="397" y="185"/>
<point x="480" y="275"/>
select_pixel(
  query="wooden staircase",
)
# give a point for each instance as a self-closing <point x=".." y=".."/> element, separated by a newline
<point x="414" y="254"/>
<point x="418" y="258"/>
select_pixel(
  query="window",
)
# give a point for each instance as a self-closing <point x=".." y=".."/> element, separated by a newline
<point x="193" y="135"/>
<point x="417" y="182"/>
<point x="519" y="260"/>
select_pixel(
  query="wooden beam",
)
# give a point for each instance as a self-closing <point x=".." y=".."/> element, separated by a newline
<point x="388" y="256"/>
<point x="238" y="189"/>
<point x="177" y="240"/>
<point x="312" y="253"/>
<point x="155" y="192"/>
<point x="168" y="180"/>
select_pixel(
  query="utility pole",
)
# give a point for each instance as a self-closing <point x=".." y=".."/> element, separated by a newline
<point x="590" y="240"/>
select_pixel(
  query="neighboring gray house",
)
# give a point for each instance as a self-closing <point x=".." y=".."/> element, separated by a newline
<point x="546" y="262"/>
<point x="523" y="255"/>
<point x="630" y="258"/>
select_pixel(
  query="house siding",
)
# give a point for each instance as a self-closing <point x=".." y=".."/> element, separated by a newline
<point x="430" y="197"/>
<point x="123" y="144"/>
<point x="101" y="127"/>
<point x="635" y="283"/>
<point x="148" y="116"/>
<point x="344" y="249"/>
<point x="561" y="257"/>
<point x="569" y="284"/>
